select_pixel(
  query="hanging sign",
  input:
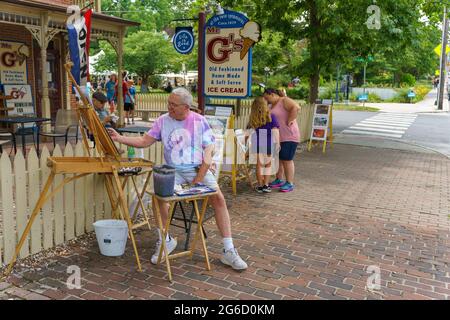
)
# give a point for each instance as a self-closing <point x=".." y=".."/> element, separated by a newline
<point x="229" y="39"/>
<point x="13" y="62"/>
<point x="183" y="40"/>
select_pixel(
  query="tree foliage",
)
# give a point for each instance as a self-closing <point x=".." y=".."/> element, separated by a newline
<point x="337" y="33"/>
<point x="145" y="53"/>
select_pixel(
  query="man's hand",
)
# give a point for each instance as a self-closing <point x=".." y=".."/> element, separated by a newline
<point x="197" y="180"/>
<point x="115" y="136"/>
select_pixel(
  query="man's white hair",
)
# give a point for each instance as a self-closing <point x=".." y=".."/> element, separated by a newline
<point x="185" y="96"/>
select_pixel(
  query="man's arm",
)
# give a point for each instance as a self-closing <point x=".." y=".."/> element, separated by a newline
<point x="292" y="108"/>
<point x="137" y="142"/>
<point x="207" y="161"/>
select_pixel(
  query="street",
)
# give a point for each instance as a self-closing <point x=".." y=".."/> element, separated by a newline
<point x="399" y="130"/>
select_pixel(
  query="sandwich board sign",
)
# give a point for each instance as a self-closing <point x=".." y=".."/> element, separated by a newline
<point x="322" y="126"/>
<point x="229" y="39"/>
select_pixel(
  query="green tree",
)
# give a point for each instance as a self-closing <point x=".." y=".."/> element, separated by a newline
<point x="146" y="53"/>
<point x="336" y="31"/>
<point x="152" y="14"/>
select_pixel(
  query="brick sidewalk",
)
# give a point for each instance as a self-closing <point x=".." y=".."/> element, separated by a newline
<point x="354" y="207"/>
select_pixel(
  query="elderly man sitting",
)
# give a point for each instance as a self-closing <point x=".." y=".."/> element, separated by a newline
<point x="188" y="146"/>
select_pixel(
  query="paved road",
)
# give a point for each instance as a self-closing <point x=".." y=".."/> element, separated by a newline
<point x="399" y="131"/>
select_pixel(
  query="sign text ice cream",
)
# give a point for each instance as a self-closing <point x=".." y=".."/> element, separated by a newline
<point x="229" y="39"/>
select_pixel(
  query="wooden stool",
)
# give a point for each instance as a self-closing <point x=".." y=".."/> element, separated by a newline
<point x="199" y="214"/>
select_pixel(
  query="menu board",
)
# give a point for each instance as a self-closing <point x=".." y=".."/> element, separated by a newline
<point x="321" y="122"/>
<point x="22" y="99"/>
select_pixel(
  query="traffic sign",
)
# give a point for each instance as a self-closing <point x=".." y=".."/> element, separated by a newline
<point x="369" y="58"/>
<point x="438" y="49"/>
<point x="363" y="97"/>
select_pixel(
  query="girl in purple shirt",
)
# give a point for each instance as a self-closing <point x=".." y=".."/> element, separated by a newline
<point x="265" y="140"/>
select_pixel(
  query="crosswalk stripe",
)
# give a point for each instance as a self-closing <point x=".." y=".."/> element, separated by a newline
<point x="373" y="133"/>
<point x="378" y="130"/>
<point x="391" y="119"/>
<point x="394" y="119"/>
<point x="405" y="124"/>
<point x="397" y="114"/>
<point x="372" y="125"/>
<point x="383" y="125"/>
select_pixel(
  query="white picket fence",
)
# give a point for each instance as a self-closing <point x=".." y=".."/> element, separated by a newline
<point x="68" y="215"/>
<point x="72" y="211"/>
<point x="156" y="104"/>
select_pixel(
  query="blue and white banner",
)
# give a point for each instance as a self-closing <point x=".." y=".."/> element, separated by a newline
<point x="79" y="42"/>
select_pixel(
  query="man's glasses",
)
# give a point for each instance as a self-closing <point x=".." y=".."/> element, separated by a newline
<point x="173" y="105"/>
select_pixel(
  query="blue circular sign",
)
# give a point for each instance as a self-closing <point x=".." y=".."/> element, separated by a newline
<point x="183" y="41"/>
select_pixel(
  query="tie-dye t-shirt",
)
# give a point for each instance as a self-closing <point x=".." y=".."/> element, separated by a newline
<point x="184" y="141"/>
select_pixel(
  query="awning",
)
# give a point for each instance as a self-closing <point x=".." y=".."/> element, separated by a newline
<point x="62" y="9"/>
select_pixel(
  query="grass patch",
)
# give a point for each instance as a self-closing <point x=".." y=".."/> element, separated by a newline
<point x="344" y="107"/>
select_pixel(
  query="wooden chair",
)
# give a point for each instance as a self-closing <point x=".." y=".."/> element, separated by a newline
<point x="65" y="126"/>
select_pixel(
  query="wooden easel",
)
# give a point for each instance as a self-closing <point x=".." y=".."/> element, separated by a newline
<point x="108" y="163"/>
<point x="239" y="171"/>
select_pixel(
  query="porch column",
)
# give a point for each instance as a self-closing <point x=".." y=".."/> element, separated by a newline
<point x="43" y="36"/>
<point x="120" y="98"/>
<point x="45" y="99"/>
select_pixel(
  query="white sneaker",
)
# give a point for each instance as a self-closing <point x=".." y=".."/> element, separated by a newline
<point x="171" y="245"/>
<point x="231" y="258"/>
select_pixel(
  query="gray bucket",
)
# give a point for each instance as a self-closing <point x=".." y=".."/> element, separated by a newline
<point x="111" y="237"/>
<point x="164" y="180"/>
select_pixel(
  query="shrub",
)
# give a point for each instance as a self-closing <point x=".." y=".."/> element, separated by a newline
<point x="420" y="91"/>
<point x="299" y="92"/>
<point x="372" y="97"/>
<point x="408" y="79"/>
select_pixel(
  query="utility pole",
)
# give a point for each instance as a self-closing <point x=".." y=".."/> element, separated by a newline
<point x="442" y="76"/>
<point x="201" y="60"/>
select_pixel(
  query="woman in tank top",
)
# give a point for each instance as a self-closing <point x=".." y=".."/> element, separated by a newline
<point x="286" y="111"/>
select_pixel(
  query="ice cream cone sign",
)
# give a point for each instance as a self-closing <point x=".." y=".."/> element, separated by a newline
<point x="251" y="34"/>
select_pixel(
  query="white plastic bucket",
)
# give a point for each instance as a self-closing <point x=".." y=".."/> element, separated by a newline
<point x="111" y="237"/>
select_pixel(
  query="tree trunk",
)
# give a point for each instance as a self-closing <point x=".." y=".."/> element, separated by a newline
<point x="314" y="86"/>
<point x="315" y="51"/>
<point x="144" y="85"/>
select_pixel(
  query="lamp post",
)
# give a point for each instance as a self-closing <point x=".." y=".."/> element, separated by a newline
<point x="266" y="73"/>
<point x="443" y="60"/>
<point x="337" y="82"/>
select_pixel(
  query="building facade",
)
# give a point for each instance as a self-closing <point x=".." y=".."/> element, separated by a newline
<point x="35" y="31"/>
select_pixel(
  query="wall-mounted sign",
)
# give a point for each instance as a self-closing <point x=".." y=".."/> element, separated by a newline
<point x="13" y="62"/>
<point x="229" y="39"/>
<point x="183" y="40"/>
<point x="22" y="99"/>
